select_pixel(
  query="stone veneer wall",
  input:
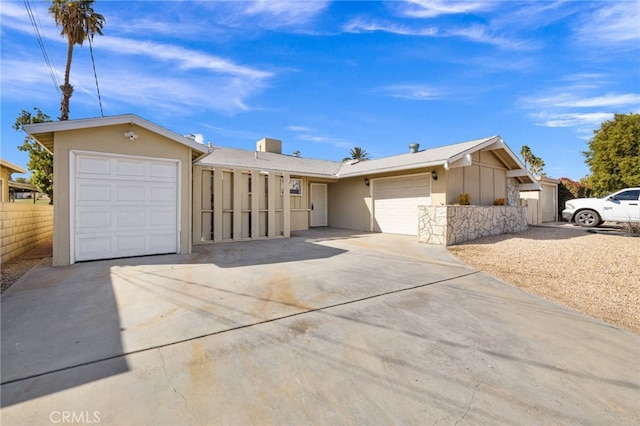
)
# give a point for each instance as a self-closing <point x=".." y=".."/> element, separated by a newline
<point x="22" y="227"/>
<point x="450" y="225"/>
<point x="513" y="192"/>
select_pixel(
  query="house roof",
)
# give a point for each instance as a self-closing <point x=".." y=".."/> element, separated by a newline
<point x="11" y="167"/>
<point x="449" y="156"/>
<point x="269" y="161"/>
<point x="43" y="132"/>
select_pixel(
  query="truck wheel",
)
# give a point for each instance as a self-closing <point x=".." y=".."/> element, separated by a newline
<point x="588" y="218"/>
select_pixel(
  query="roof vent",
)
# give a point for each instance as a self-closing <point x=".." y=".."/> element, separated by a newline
<point x="414" y="147"/>
<point x="296" y="153"/>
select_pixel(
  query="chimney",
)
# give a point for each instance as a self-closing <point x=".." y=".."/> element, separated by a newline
<point x="269" y="145"/>
<point x="414" y="147"/>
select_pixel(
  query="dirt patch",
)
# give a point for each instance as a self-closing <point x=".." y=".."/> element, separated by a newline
<point x="597" y="274"/>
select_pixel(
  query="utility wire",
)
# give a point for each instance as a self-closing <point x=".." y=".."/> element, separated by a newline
<point x="32" y="18"/>
<point x="95" y="75"/>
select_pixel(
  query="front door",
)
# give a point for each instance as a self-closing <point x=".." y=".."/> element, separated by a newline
<point x="318" y="204"/>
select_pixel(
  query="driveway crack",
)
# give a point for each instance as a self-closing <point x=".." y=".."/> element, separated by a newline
<point x="186" y="402"/>
<point x="471" y="402"/>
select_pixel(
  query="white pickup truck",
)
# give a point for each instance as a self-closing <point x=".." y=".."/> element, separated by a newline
<point x="621" y="206"/>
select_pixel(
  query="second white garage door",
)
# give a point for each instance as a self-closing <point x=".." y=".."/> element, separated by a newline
<point x="396" y="201"/>
<point x="123" y="206"/>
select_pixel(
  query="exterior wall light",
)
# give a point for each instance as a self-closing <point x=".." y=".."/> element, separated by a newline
<point x="131" y="135"/>
<point x="434" y="176"/>
<point x="366" y="181"/>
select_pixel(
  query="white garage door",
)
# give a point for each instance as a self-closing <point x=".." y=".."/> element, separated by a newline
<point x="396" y="201"/>
<point x="123" y="206"/>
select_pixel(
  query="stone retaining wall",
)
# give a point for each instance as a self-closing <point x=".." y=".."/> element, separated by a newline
<point x="22" y="227"/>
<point x="450" y="225"/>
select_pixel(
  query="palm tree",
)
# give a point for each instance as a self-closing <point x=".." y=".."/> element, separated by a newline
<point x="358" y="154"/>
<point x="79" y="22"/>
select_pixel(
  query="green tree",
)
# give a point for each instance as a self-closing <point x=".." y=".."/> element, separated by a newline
<point x="533" y="163"/>
<point x="357" y="153"/>
<point x="614" y="154"/>
<point x="79" y="22"/>
<point x="21" y="180"/>
<point x="40" y="160"/>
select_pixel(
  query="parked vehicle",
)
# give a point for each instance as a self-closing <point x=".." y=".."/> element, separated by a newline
<point x="621" y="206"/>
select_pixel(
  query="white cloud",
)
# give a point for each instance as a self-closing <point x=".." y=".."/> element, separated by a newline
<point x="434" y="8"/>
<point x="590" y="119"/>
<point x="298" y="129"/>
<point x="418" y="92"/>
<point x="361" y="25"/>
<point x="612" y="24"/>
<point x="277" y="13"/>
<point x="475" y="33"/>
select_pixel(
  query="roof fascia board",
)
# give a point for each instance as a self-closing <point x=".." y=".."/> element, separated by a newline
<point x="60" y="126"/>
<point x="464" y="161"/>
<point x="490" y="141"/>
<point x="266" y="170"/>
<point x="530" y="187"/>
<point x="391" y="169"/>
<point x="10" y="166"/>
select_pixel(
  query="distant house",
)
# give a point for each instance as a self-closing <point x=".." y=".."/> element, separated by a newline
<point x="127" y="187"/>
<point x="11" y="189"/>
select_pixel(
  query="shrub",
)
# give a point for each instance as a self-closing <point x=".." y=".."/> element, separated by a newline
<point x="568" y="190"/>
<point x="499" y="202"/>
<point x="464" y="199"/>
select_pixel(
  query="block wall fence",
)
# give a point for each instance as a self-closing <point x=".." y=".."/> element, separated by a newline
<point x="22" y="227"/>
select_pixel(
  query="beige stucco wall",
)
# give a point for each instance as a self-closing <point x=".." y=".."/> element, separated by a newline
<point x="349" y="204"/>
<point x="4" y="181"/>
<point x="110" y="139"/>
<point x="23" y="226"/>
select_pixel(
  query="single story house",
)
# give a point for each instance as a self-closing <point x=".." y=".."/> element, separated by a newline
<point x="127" y="187"/>
<point x="7" y="168"/>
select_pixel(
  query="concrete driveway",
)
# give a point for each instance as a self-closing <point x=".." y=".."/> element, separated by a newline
<point x="327" y="327"/>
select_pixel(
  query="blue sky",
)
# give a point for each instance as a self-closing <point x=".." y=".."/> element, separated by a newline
<point x="327" y="76"/>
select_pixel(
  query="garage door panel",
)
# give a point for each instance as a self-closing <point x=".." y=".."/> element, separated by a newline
<point x="130" y="168"/>
<point x="90" y="191"/>
<point x="131" y="244"/>
<point x="130" y="192"/>
<point x="127" y="211"/>
<point x="160" y="218"/>
<point x="130" y="217"/>
<point x="92" y="166"/>
<point x="162" y="170"/>
<point x="90" y="219"/>
<point x="162" y="193"/>
<point x="92" y="247"/>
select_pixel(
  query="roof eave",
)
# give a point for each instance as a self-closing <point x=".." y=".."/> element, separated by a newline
<point x="43" y="132"/>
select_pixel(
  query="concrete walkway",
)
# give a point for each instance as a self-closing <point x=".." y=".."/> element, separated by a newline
<point x="327" y="327"/>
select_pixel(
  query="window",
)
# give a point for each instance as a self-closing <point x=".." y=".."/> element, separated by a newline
<point x="295" y="186"/>
<point x="627" y="196"/>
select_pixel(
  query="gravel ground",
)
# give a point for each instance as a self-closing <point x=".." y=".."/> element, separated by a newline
<point x="14" y="269"/>
<point x="597" y="274"/>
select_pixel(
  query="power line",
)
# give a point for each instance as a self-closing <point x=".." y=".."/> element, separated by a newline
<point x="95" y="75"/>
<point x="30" y="12"/>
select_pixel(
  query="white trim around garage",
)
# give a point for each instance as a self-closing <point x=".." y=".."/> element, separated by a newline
<point x="170" y="215"/>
